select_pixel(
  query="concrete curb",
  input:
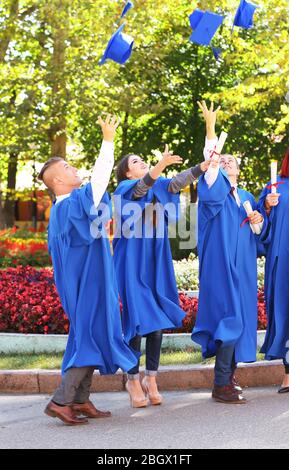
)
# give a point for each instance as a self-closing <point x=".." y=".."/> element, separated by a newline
<point x="17" y="343"/>
<point x="170" y="378"/>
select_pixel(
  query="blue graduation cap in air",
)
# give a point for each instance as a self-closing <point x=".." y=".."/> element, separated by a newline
<point x="126" y="8"/>
<point x="244" y="15"/>
<point x="119" y="47"/>
<point x="205" y="25"/>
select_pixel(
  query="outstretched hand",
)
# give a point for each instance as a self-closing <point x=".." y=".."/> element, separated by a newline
<point x="170" y="159"/>
<point x="109" y="126"/>
<point x="210" y="116"/>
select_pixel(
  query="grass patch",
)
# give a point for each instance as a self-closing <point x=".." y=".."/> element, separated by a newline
<point x="53" y="361"/>
<point x="30" y="361"/>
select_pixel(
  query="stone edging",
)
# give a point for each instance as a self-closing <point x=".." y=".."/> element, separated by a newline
<point x="170" y="378"/>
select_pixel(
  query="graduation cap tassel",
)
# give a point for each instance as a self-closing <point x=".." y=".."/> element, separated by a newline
<point x="217" y="52"/>
<point x="126" y="8"/>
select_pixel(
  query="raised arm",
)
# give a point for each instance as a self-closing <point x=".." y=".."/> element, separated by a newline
<point x="187" y="177"/>
<point x="104" y="164"/>
<point x="145" y="183"/>
<point x="210" y="116"/>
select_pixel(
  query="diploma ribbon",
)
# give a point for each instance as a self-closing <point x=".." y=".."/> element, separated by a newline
<point x="245" y="221"/>
<point x="213" y="152"/>
<point x="274" y="185"/>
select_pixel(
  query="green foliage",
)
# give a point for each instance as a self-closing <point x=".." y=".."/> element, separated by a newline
<point x="51" y="83"/>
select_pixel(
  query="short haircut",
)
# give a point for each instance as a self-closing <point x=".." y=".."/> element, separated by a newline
<point x="47" y="165"/>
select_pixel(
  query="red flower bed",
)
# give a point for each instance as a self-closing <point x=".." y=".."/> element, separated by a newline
<point x="23" y="252"/>
<point x="262" y="317"/>
<point x="29" y="303"/>
<point x="190" y="306"/>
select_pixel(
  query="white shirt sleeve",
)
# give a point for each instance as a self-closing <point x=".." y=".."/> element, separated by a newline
<point x="102" y="171"/>
<point x="209" y="147"/>
<point x="212" y="173"/>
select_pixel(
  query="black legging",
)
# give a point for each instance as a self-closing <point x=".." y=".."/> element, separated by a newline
<point x="153" y="350"/>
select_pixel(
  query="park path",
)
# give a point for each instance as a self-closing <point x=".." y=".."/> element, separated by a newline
<point x="186" y="420"/>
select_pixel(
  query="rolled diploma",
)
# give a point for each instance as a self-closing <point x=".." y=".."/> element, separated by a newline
<point x="221" y="142"/>
<point x="256" y="228"/>
<point x="273" y="175"/>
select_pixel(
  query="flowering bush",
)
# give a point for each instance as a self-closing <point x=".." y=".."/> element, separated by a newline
<point x="262" y="317"/>
<point x="190" y="306"/>
<point x="261" y="271"/>
<point x="29" y="303"/>
<point x="187" y="272"/>
<point x="23" y="252"/>
<point x="20" y="233"/>
<point x="23" y="247"/>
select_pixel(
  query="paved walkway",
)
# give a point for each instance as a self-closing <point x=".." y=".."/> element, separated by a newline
<point x="186" y="420"/>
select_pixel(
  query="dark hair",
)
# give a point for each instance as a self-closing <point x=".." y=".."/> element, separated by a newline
<point x="47" y="165"/>
<point x="122" y="168"/>
<point x="285" y="165"/>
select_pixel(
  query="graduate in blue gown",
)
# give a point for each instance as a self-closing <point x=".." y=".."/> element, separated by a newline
<point x="226" y="323"/>
<point x="275" y="206"/>
<point x="85" y="280"/>
<point x="144" y="203"/>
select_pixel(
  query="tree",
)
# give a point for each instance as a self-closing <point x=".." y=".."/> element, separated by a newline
<point x="52" y="88"/>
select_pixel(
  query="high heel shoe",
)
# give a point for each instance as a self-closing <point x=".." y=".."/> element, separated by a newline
<point x="155" y="399"/>
<point x="136" y="403"/>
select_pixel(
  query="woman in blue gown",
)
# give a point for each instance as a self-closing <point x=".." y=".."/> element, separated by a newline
<point x="276" y="345"/>
<point x="144" y="203"/>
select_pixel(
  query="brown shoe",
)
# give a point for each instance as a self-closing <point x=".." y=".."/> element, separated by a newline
<point x="64" y="413"/>
<point x="227" y="394"/>
<point x="235" y="384"/>
<point x="88" y="409"/>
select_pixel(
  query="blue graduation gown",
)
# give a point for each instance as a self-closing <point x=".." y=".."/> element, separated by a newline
<point x="227" y="310"/>
<point x="86" y="283"/>
<point x="144" y="265"/>
<point x="277" y="274"/>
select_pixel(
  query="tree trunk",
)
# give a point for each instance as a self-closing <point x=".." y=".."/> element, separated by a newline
<point x="196" y="125"/>
<point x="9" y="206"/>
<point x="2" y="218"/>
<point x="125" y="144"/>
<point x="57" y="132"/>
<point x="5" y="39"/>
<point x="58" y="139"/>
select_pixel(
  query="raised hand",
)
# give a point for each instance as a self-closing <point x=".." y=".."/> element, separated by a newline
<point x="167" y="160"/>
<point x="210" y="116"/>
<point x="109" y="126"/>
<point x="170" y="159"/>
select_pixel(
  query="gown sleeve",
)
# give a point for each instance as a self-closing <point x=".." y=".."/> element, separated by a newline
<point x="87" y="222"/>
